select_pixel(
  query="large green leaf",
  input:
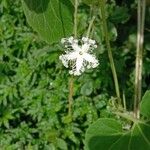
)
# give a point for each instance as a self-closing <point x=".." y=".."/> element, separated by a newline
<point x="107" y="134"/>
<point x="52" y="19"/>
<point x="145" y="104"/>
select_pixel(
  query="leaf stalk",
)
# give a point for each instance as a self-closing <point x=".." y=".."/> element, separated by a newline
<point x="110" y="55"/>
<point x="139" y="56"/>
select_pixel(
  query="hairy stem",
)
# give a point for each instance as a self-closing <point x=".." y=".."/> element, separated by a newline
<point x="139" y="56"/>
<point x="70" y="99"/>
<point x="70" y="96"/>
<point x="105" y="28"/>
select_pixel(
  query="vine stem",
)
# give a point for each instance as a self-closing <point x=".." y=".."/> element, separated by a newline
<point x="90" y="26"/>
<point x="75" y="17"/>
<point x="139" y="56"/>
<point x="71" y="80"/>
<point x="70" y="96"/>
<point x="128" y="117"/>
<point x="110" y="55"/>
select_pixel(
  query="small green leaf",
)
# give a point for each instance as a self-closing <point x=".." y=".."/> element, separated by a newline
<point x="145" y="104"/>
<point x="61" y="144"/>
<point x="112" y="32"/>
<point x="87" y="88"/>
<point x="52" y="19"/>
<point x="107" y="134"/>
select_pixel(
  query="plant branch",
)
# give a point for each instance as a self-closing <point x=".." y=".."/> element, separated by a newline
<point x="90" y="26"/>
<point x="128" y="117"/>
<point x="124" y="101"/>
<point x="139" y="56"/>
<point x="70" y="96"/>
<point x="75" y="17"/>
<point x="105" y="28"/>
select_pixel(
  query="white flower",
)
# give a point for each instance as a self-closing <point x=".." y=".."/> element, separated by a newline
<point x="79" y="55"/>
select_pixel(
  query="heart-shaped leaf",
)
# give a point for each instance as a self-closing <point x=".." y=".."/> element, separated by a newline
<point x="52" y="19"/>
<point x="107" y="134"/>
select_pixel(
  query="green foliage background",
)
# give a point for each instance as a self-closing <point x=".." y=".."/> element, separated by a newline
<point x="34" y="84"/>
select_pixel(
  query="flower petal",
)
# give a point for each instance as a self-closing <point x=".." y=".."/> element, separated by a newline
<point x="79" y="64"/>
<point x="85" y="47"/>
<point x="91" y="59"/>
<point x="76" y="47"/>
<point x="72" y="55"/>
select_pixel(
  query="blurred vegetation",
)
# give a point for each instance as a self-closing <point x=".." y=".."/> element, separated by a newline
<point x="34" y="84"/>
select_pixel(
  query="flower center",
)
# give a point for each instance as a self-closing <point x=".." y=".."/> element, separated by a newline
<point x="81" y="53"/>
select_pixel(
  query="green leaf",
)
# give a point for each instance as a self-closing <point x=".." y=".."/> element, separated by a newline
<point x="87" y="88"/>
<point x="119" y="15"/>
<point x="145" y="104"/>
<point x="107" y="134"/>
<point x="52" y="19"/>
<point x="112" y="32"/>
<point x="61" y="144"/>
